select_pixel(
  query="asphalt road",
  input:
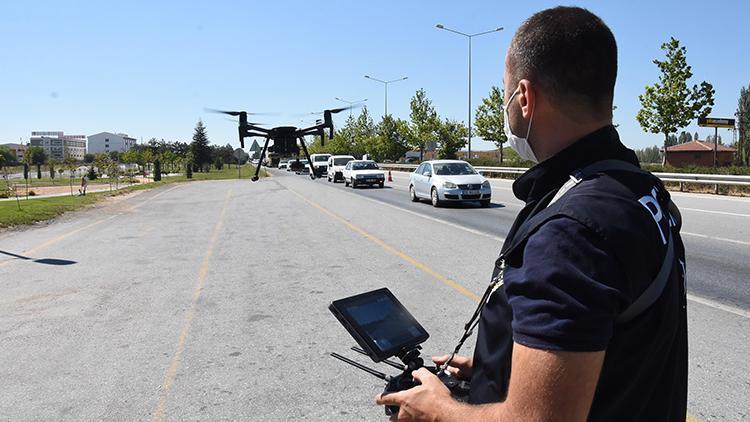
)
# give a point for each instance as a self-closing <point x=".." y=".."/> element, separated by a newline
<point x="209" y="300"/>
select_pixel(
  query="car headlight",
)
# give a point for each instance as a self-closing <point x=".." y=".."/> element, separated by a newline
<point x="449" y="185"/>
<point x="486" y="184"/>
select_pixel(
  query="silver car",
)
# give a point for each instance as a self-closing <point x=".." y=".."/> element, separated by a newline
<point x="443" y="181"/>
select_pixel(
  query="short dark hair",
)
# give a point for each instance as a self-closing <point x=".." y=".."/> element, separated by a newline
<point x="571" y="54"/>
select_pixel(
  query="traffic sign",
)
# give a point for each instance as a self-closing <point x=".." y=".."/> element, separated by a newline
<point x="715" y="122"/>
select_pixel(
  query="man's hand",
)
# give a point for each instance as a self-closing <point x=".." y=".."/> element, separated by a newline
<point x="460" y="367"/>
<point x="424" y="402"/>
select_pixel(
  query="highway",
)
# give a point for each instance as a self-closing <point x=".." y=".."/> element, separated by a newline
<point x="208" y="300"/>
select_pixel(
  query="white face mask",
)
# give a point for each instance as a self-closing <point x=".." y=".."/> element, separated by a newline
<point x="519" y="145"/>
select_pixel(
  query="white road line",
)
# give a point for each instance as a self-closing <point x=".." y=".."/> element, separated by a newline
<point x="710" y="196"/>
<point x="720" y="306"/>
<point x="734" y="214"/>
<point x="723" y="239"/>
<point x="426" y="217"/>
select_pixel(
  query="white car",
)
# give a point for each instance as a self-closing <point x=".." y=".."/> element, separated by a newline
<point x="443" y="181"/>
<point x="363" y="172"/>
<point x="282" y="165"/>
<point x="336" y="164"/>
<point x="320" y="163"/>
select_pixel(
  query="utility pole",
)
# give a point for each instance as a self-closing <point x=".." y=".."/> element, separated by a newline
<point x="385" y="83"/>
<point x="469" y="36"/>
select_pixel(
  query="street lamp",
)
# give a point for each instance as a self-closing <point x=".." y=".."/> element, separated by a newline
<point x="351" y="103"/>
<point x="386" y="88"/>
<point x="469" y="36"/>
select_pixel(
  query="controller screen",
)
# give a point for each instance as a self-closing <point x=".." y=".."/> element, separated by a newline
<point x="386" y="322"/>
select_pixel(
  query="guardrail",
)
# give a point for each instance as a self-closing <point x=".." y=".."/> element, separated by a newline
<point x="705" y="179"/>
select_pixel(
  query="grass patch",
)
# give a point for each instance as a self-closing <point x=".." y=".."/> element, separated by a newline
<point x="41" y="209"/>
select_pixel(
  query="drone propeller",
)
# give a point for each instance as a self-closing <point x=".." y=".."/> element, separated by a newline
<point x="237" y="113"/>
<point x="250" y="123"/>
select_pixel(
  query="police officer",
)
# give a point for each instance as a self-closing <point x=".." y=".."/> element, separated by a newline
<point x="585" y="316"/>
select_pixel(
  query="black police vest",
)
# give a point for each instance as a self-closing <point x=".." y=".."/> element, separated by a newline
<point x="629" y="208"/>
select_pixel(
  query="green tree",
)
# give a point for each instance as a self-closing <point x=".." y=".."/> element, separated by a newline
<point x="670" y="104"/>
<point x="219" y="163"/>
<point x="157" y="170"/>
<point x="51" y="163"/>
<point x="649" y="155"/>
<point x="37" y="157"/>
<point x="424" y="121"/>
<point x="695" y="136"/>
<point x="363" y="134"/>
<point x="6" y="157"/>
<point x="451" y="137"/>
<point x="200" y="147"/>
<point x="69" y="163"/>
<point x="92" y="173"/>
<point x="490" y="118"/>
<point x="88" y="158"/>
<point x="390" y="141"/>
<point x="684" y="137"/>
<point x="743" y="121"/>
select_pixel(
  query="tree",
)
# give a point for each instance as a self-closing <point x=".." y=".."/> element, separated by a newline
<point x="451" y="136"/>
<point x="51" y="164"/>
<point x="88" y="158"/>
<point x="695" y="137"/>
<point x="390" y="141"/>
<point x="219" y="163"/>
<point x="69" y="163"/>
<point x="37" y="157"/>
<point x="648" y="155"/>
<point x="92" y="173"/>
<point x="489" y="119"/>
<point x="200" y="148"/>
<point x="424" y="121"/>
<point x="6" y="157"/>
<point x="669" y="104"/>
<point x="157" y="170"/>
<point x="685" y="137"/>
<point x="743" y="124"/>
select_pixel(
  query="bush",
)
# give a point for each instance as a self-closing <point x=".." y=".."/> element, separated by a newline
<point x="32" y="193"/>
<point x="92" y="173"/>
<point x="189" y="171"/>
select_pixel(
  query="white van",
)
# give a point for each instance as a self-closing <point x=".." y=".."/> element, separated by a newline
<point x="336" y="164"/>
<point x="320" y="164"/>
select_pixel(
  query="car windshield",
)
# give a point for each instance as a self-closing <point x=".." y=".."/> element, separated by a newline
<point x="453" y="169"/>
<point x="365" y="166"/>
<point x="321" y="158"/>
<point x="341" y="161"/>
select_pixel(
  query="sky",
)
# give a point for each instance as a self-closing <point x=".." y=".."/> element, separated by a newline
<point x="150" y="68"/>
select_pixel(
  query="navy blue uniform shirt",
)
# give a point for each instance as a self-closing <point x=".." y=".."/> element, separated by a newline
<point x="566" y="284"/>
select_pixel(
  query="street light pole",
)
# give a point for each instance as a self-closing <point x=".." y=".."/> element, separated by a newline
<point x="385" y="83"/>
<point x="351" y="103"/>
<point x="469" y="36"/>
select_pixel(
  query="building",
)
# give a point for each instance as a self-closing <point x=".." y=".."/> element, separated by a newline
<point x="699" y="153"/>
<point x="16" y="150"/>
<point x="108" y="142"/>
<point x="58" y="145"/>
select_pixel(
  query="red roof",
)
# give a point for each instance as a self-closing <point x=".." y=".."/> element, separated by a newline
<point x="698" y="146"/>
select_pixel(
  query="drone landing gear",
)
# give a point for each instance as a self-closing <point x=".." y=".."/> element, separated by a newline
<point x="260" y="161"/>
<point x="307" y="155"/>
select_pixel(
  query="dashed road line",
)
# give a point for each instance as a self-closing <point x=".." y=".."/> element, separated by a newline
<point x="174" y="364"/>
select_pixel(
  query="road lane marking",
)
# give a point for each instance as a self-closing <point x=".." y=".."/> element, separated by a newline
<point x="722" y="239"/>
<point x="174" y="364"/>
<point x="427" y="217"/>
<point x="734" y="214"/>
<point x="80" y="229"/>
<point x="443" y="279"/>
<point x="720" y="306"/>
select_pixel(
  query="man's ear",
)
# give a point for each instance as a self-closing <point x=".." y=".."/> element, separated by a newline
<point x="526" y="98"/>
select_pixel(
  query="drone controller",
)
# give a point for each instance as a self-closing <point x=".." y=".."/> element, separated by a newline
<point x="383" y="328"/>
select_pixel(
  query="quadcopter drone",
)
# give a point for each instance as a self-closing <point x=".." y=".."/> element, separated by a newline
<point x="284" y="137"/>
